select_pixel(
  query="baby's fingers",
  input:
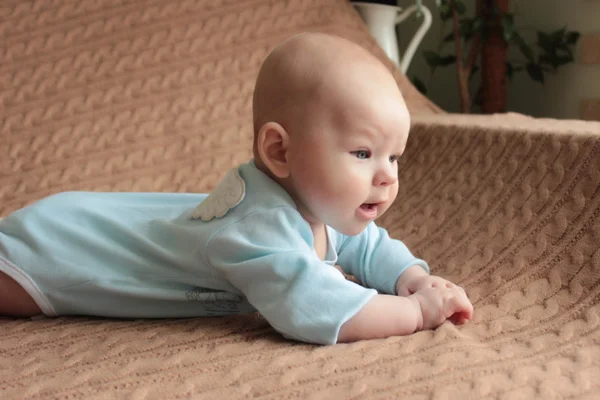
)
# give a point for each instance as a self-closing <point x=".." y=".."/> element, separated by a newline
<point x="462" y="309"/>
<point x="466" y="311"/>
<point x="460" y="318"/>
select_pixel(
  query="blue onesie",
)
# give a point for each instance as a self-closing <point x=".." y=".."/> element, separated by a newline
<point x="240" y="249"/>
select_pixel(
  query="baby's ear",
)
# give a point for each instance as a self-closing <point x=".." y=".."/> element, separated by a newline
<point x="272" y="145"/>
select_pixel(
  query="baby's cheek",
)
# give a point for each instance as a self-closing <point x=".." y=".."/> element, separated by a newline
<point x="331" y="186"/>
<point x="392" y="193"/>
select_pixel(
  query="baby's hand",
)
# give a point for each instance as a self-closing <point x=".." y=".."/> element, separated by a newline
<point x="437" y="304"/>
<point x="417" y="281"/>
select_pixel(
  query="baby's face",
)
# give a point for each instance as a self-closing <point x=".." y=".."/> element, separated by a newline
<point x="344" y="164"/>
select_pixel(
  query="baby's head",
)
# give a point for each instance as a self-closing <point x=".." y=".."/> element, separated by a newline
<point x="329" y="126"/>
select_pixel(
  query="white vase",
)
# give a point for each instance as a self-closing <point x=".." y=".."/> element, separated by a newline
<point x="382" y="19"/>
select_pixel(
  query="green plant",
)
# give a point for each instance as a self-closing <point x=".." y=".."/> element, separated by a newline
<point x="481" y="46"/>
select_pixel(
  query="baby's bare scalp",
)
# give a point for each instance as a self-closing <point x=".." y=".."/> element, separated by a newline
<point x="305" y="69"/>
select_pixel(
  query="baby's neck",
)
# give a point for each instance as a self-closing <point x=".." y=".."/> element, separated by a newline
<point x="318" y="228"/>
<point x="320" y="241"/>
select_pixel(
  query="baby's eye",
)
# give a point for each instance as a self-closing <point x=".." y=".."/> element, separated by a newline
<point x="362" y="154"/>
<point x="394" y="158"/>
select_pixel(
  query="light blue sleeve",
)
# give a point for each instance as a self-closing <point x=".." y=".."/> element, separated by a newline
<point x="375" y="259"/>
<point x="269" y="257"/>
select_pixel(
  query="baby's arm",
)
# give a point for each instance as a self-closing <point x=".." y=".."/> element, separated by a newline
<point x="387" y="315"/>
<point x="376" y="260"/>
<point x="383" y="316"/>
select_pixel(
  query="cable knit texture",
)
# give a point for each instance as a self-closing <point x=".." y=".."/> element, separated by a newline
<point x="130" y="95"/>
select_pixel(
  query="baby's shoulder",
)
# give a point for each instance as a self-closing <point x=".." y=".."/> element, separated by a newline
<point x="243" y="191"/>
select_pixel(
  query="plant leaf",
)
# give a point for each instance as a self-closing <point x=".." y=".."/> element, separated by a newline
<point x="535" y="72"/>
<point x="567" y="50"/>
<point x="509" y="70"/>
<point x="432" y="58"/>
<point x="562" y="60"/>
<point x="474" y="70"/>
<point x="419" y="8"/>
<point x="449" y="37"/>
<point x="517" y="39"/>
<point x="557" y="36"/>
<point x="508" y="26"/>
<point x="419" y="84"/>
<point x="460" y="7"/>
<point x="466" y="28"/>
<point x="477" y="24"/>
<point x="523" y="47"/>
<point x="444" y="61"/>
<point x="546" y="42"/>
<point x="555" y="60"/>
<point x="478" y="98"/>
<point x="445" y="11"/>
<point x="572" y="37"/>
<point x="527" y="52"/>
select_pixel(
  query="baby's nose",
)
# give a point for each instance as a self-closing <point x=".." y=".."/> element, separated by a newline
<point x="386" y="176"/>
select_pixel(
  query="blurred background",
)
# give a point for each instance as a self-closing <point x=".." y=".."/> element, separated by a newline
<point x="571" y="91"/>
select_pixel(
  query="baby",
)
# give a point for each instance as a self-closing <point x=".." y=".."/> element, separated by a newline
<point x="329" y="127"/>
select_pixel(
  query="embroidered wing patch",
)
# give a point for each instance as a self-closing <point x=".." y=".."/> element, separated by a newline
<point x="229" y="193"/>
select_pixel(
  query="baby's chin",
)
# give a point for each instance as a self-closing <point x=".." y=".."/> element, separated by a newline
<point x="352" y="229"/>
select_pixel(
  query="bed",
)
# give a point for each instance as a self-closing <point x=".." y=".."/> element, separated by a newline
<point x="129" y="95"/>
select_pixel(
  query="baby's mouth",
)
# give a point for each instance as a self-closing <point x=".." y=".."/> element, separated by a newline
<point x="368" y="210"/>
